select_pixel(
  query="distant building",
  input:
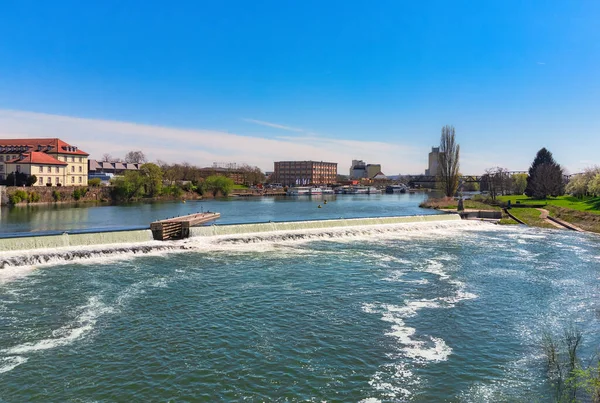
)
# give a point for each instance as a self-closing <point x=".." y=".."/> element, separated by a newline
<point x="434" y="156"/>
<point x="361" y="170"/>
<point x="51" y="160"/>
<point x="290" y="173"/>
<point x="105" y="170"/>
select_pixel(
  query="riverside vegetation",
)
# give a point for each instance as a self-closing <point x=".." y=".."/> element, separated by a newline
<point x="147" y="183"/>
<point x="542" y="188"/>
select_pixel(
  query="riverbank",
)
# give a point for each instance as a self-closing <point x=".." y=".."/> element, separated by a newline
<point x="547" y="213"/>
<point x="32" y="196"/>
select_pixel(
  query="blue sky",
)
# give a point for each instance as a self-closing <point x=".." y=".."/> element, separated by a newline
<point x="266" y="80"/>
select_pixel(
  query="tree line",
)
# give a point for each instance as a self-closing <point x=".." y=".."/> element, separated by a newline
<point x="149" y="181"/>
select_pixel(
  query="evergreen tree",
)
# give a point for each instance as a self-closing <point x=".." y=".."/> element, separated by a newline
<point x="545" y="176"/>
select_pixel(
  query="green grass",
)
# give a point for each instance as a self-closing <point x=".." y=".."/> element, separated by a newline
<point x="588" y="204"/>
<point x="507" y="221"/>
<point x="446" y="204"/>
<point x="583" y="219"/>
<point x="530" y="216"/>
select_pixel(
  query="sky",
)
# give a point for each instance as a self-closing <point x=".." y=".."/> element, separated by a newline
<point x="261" y="81"/>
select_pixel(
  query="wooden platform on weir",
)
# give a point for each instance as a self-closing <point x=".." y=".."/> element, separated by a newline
<point x="179" y="227"/>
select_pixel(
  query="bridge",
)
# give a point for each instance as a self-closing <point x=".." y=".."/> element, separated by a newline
<point x="464" y="178"/>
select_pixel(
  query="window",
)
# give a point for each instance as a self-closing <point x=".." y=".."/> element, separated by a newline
<point x="80" y="179"/>
<point x="49" y="169"/>
<point x="57" y="180"/>
<point x="56" y="170"/>
<point x="80" y="159"/>
<point x="41" y="179"/>
<point x="72" y="168"/>
<point x="41" y="169"/>
<point x="49" y="180"/>
<point x="80" y="169"/>
<point x="72" y="179"/>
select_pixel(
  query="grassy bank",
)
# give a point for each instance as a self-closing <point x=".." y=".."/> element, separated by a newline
<point x="587" y="204"/>
<point x="451" y="204"/>
<point x="589" y="221"/>
<point x="530" y="216"/>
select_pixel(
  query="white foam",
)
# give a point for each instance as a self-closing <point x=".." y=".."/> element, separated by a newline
<point x="82" y="325"/>
<point x="393" y="380"/>
<point x="10" y="363"/>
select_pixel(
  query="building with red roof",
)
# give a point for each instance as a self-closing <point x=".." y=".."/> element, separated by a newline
<point x="51" y="160"/>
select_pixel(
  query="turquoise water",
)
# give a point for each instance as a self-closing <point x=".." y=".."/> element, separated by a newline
<point x="423" y="312"/>
<point x="240" y="210"/>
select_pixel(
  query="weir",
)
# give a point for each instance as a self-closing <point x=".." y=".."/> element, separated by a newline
<point x="66" y="240"/>
<point x="233" y="229"/>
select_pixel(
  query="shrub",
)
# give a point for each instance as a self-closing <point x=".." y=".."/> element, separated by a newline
<point x="59" y="184"/>
<point x="79" y="193"/>
<point x="95" y="182"/>
<point x="17" y="197"/>
<point x="56" y="195"/>
<point x="49" y="184"/>
<point x="33" y="197"/>
<point x="172" y="190"/>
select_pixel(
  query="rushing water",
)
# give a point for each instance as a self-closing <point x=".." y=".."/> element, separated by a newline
<point x="241" y="210"/>
<point x="446" y="311"/>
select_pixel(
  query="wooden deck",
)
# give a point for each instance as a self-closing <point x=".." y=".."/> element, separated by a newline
<point x="179" y="227"/>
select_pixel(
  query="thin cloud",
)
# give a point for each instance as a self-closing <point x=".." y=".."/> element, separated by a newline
<point x="274" y="125"/>
<point x="203" y="147"/>
<point x="541" y="63"/>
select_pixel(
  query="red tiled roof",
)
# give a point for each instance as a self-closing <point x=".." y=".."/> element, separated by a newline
<point x="58" y="146"/>
<point x="35" y="157"/>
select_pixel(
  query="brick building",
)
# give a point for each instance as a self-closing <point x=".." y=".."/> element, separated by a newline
<point x="290" y="173"/>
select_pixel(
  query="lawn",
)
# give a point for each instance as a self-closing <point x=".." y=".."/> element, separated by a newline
<point x="451" y="204"/>
<point x="530" y="216"/>
<point x="588" y="204"/>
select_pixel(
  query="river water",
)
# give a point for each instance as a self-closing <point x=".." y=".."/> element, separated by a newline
<point x="421" y="312"/>
<point x="242" y="210"/>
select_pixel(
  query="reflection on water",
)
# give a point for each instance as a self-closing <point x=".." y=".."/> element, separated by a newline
<point x="234" y="210"/>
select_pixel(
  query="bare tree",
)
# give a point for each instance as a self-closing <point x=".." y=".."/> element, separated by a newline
<point x="497" y="181"/>
<point x="135" y="157"/>
<point x="106" y="157"/>
<point x="448" y="160"/>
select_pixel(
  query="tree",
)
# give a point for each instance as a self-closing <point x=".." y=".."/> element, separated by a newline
<point x="545" y="176"/>
<point x="448" y="160"/>
<point x="252" y="175"/>
<point x="519" y="182"/>
<point x="31" y="180"/>
<point x="594" y="185"/>
<point x="129" y="186"/>
<point x="218" y="184"/>
<point x="135" y="157"/>
<point x="153" y="177"/>
<point x="106" y="157"/>
<point x="497" y="181"/>
<point x="21" y="179"/>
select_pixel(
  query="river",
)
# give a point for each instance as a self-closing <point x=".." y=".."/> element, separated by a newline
<point x="420" y="312"/>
